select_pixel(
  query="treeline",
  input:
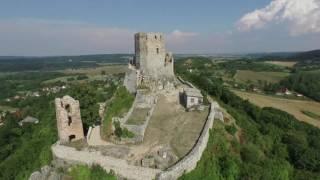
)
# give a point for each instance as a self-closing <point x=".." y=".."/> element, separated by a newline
<point x="89" y="95"/>
<point x="16" y="64"/>
<point x="272" y="144"/>
<point x="252" y="65"/>
<point x="306" y="83"/>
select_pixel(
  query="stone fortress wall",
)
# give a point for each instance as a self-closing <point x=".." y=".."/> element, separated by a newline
<point x="121" y="166"/>
<point x="189" y="162"/>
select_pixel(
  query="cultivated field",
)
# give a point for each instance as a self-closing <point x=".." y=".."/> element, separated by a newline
<point x="92" y="73"/>
<point x="271" y="77"/>
<point x="282" y="63"/>
<point x="110" y="69"/>
<point x="7" y="108"/>
<point x="294" y="107"/>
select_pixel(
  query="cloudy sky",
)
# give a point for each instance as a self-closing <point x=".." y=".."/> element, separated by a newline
<point x="72" y="27"/>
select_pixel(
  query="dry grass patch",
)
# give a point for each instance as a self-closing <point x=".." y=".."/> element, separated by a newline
<point x="282" y="63"/>
<point x="138" y="116"/>
<point x="7" y="108"/>
<point x="171" y="125"/>
<point x="294" y="107"/>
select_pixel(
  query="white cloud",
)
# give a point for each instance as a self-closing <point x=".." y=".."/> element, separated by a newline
<point x="302" y="16"/>
<point x="182" y="35"/>
<point x="177" y="39"/>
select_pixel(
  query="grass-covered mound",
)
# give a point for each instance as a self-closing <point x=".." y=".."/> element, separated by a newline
<point x="120" y="103"/>
<point x="81" y="172"/>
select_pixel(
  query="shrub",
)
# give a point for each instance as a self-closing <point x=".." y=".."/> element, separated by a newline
<point x="231" y="129"/>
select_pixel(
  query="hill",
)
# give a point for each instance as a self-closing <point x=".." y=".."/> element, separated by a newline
<point x="308" y="56"/>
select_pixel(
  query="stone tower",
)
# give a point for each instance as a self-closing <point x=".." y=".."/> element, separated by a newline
<point x="68" y="119"/>
<point x="151" y="57"/>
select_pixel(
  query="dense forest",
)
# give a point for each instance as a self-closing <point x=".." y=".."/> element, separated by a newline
<point x="24" y="149"/>
<point x="272" y="143"/>
<point x="305" y="82"/>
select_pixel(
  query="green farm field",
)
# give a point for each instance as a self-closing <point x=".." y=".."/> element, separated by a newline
<point x="271" y="77"/>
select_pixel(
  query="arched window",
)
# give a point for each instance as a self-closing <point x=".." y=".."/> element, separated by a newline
<point x="72" y="137"/>
<point x="69" y="120"/>
<point x="68" y="108"/>
<point x="157" y="50"/>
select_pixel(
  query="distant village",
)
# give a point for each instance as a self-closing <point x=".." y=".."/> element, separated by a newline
<point x="43" y="91"/>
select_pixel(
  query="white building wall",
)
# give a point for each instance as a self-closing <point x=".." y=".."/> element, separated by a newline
<point x="193" y="101"/>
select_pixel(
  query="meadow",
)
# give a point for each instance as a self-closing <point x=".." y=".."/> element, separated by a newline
<point x="289" y="64"/>
<point x="293" y="107"/>
<point x="254" y="76"/>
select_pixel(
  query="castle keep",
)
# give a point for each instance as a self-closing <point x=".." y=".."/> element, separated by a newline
<point x="151" y="58"/>
<point x="68" y="119"/>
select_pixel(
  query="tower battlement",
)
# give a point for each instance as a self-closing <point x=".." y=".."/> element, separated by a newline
<point x="151" y="57"/>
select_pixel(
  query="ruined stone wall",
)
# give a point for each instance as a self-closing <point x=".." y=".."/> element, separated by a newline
<point x="189" y="162"/>
<point x="151" y="56"/>
<point x="139" y="130"/>
<point x="122" y="168"/>
<point x="119" y="166"/>
<point x="69" y="122"/>
<point x="130" y="80"/>
<point x="186" y="82"/>
<point x="141" y="101"/>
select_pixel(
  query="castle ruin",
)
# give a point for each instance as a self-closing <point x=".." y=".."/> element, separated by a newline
<point x="68" y="119"/>
<point x="151" y="78"/>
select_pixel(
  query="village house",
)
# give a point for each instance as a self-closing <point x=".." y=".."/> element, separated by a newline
<point x="29" y="119"/>
<point x="192" y="97"/>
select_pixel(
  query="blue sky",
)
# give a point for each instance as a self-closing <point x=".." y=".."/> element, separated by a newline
<point x="57" y="27"/>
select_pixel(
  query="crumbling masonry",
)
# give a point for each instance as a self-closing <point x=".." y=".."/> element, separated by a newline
<point x="68" y="119"/>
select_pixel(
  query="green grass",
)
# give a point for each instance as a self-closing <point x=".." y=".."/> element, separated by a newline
<point x="138" y="116"/>
<point x="311" y="114"/>
<point x="81" y="172"/>
<point x="120" y="104"/>
<point x="271" y="77"/>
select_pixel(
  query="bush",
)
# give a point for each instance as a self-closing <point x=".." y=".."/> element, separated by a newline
<point x="96" y="172"/>
<point x="82" y="77"/>
<point x="120" y="103"/>
<point x="231" y="129"/>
